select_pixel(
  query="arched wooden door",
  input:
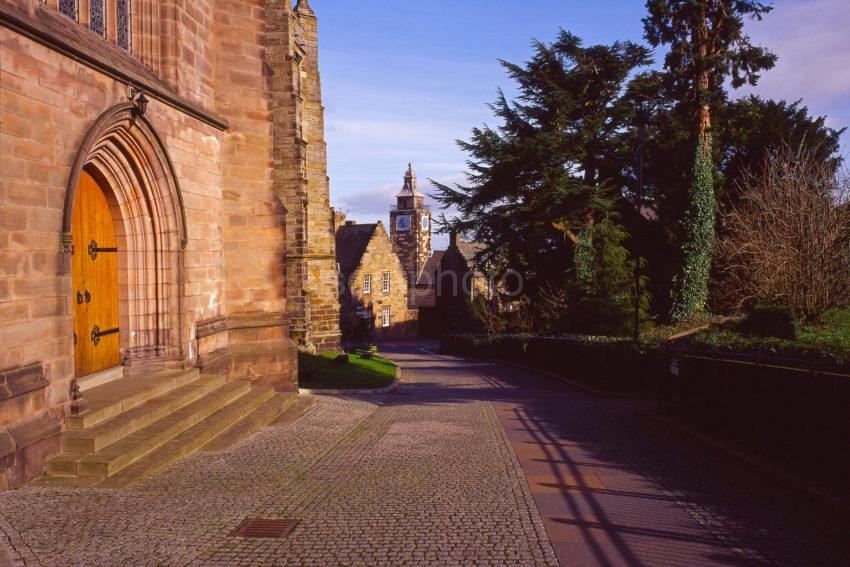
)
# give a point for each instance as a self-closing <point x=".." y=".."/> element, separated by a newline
<point x="94" y="274"/>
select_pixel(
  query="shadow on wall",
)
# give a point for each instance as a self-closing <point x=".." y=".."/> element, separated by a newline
<point x="366" y="321"/>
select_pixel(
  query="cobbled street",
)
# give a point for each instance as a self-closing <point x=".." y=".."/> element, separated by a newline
<point x="468" y="463"/>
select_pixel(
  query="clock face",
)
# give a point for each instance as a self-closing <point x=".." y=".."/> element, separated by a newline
<point x="402" y="223"/>
<point x="426" y="222"/>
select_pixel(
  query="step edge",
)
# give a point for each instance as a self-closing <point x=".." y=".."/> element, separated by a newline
<point x="197" y="391"/>
<point x="178" y="449"/>
<point x="79" y="422"/>
<point x="188" y="421"/>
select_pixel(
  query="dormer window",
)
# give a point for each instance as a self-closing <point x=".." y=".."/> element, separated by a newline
<point x="69" y="8"/>
<point x="97" y="17"/>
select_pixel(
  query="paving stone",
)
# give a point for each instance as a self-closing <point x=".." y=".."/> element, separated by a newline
<point x="433" y="475"/>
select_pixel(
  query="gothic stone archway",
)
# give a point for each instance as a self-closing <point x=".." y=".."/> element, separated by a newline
<point x="124" y="153"/>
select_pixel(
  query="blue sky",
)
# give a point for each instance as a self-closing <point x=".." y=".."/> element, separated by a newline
<point x="403" y="79"/>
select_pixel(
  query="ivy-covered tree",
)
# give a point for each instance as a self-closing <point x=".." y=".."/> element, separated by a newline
<point x="554" y="165"/>
<point x="707" y="47"/>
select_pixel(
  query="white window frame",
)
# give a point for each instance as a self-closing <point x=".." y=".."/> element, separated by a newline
<point x="425" y="223"/>
<point x="386" y="282"/>
<point x="367" y="283"/>
<point x="386" y="313"/>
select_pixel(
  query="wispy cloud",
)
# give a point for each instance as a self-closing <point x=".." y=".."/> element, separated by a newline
<point x="810" y="37"/>
<point x="374" y="203"/>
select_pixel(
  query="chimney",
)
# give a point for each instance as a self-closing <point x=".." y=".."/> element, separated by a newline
<point x="453" y="239"/>
<point x="339" y="219"/>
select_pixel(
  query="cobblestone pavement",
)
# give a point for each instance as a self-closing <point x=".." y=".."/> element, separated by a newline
<point x="615" y="490"/>
<point x="467" y="464"/>
<point x="414" y="478"/>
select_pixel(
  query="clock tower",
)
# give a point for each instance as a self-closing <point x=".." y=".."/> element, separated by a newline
<point x="410" y="227"/>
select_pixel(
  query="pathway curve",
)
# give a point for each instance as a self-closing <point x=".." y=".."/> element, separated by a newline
<point x="467" y="464"/>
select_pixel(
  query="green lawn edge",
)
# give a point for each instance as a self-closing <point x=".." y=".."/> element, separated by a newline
<point x="317" y="372"/>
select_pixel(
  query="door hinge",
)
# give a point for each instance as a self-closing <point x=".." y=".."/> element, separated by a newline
<point x="94" y="250"/>
<point x="96" y="334"/>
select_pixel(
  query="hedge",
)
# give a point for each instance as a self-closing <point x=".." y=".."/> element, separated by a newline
<point x="611" y="365"/>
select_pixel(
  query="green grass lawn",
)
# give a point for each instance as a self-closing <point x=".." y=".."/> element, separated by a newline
<point x="828" y="338"/>
<point x="318" y="372"/>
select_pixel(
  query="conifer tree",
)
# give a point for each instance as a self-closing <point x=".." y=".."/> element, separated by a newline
<point x="707" y="46"/>
<point x="554" y="165"/>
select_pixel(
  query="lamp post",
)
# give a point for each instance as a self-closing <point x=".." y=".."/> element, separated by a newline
<point x="641" y="120"/>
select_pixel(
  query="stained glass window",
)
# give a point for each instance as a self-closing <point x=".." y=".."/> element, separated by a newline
<point x="69" y="8"/>
<point x="122" y="19"/>
<point x="97" y="17"/>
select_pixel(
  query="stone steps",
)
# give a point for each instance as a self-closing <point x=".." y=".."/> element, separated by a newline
<point x="118" y="455"/>
<point x="202" y="434"/>
<point x="257" y="419"/>
<point x="108" y="400"/>
<point x="139" y="426"/>
<point x="105" y="433"/>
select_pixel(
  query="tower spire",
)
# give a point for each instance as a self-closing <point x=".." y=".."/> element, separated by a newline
<point x="303" y="7"/>
<point x="410" y="189"/>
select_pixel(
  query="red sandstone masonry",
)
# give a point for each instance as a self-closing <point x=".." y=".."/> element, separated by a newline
<point x="234" y="206"/>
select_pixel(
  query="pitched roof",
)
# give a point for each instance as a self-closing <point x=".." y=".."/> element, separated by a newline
<point x="426" y="276"/>
<point x="351" y="243"/>
<point x="469" y="250"/>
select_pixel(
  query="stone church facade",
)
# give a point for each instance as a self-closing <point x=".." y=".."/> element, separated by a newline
<point x="188" y="137"/>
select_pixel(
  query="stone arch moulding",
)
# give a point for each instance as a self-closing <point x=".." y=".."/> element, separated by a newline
<point x="124" y="152"/>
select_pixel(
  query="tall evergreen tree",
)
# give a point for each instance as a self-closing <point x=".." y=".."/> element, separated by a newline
<point x="554" y="164"/>
<point x="707" y="47"/>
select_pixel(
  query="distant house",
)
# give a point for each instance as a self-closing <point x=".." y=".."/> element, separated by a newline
<point x="461" y="278"/>
<point x="425" y="297"/>
<point x="373" y="288"/>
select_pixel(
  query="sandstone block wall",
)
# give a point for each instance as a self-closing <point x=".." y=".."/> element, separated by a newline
<point x="378" y="259"/>
<point x="235" y="99"/>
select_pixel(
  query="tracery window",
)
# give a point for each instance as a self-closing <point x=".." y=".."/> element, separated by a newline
<point x="97" y="17"/>
<point x="122" y="18"/>
<point x="69" y="8"/>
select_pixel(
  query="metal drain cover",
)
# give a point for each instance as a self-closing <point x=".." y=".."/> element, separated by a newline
<point x="264" y="528"/>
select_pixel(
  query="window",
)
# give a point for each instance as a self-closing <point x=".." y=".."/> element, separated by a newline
<point x="97" y="17"/>
<point x="367" y="283"/>
<point x="69" y="8"/>
<point x="123" y="11"/>
<point x="385" y="282"/>
<point x="426" y="222"/>
<point x="385" y="317"/>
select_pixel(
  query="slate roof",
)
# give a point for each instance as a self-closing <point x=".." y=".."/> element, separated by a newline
<point x="425" y="294"/>
<point x="426" y="277"/>
<point x="351" y="243"/>
<point x="469" y="250"/>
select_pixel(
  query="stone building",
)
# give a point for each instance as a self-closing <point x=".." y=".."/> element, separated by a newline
<point x="461" y="277"/>
<point x="163" y="203"/>
<point x="410" y="227"/>
<point x="373" y="284"/>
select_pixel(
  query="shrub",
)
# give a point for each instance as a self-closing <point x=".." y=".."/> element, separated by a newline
<point x="787" y="240"/>
<point x="605" y="274"/>
<point x="772" y="321"/>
